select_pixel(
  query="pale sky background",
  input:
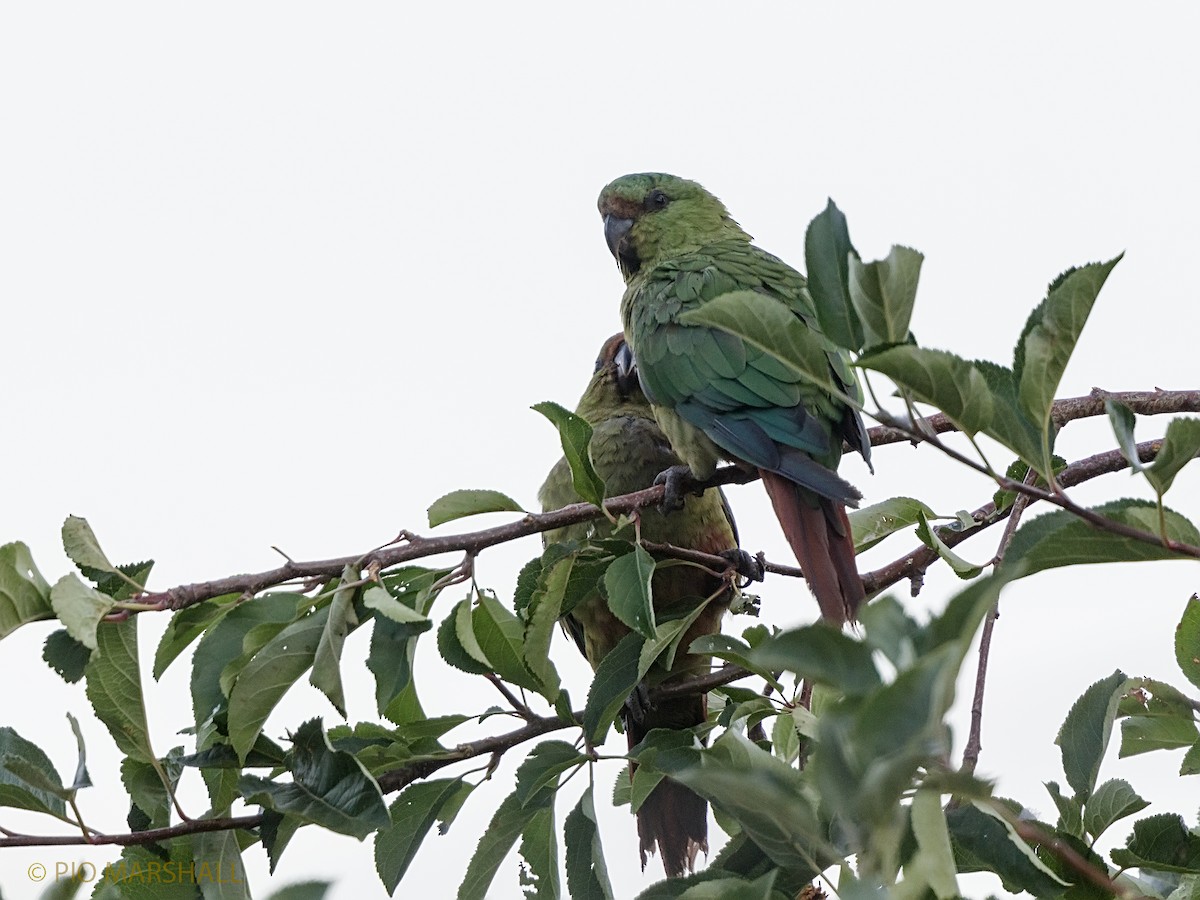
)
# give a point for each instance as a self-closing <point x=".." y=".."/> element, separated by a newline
<point x="283" y="274"/>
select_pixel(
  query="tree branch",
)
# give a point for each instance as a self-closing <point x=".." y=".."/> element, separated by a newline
<point x="152" y="836"/>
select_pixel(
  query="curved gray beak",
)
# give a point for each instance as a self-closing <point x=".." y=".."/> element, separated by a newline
<point x="614" y="232"/>
<point x="627" y="377"/>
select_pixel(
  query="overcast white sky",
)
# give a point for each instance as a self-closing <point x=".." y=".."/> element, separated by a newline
<point x="283" y="274"/>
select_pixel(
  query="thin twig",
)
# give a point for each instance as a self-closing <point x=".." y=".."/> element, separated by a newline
<point x="133" y="838"/>
<point x="522" y="709"/>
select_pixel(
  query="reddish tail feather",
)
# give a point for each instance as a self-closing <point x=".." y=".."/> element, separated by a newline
<point x="820" y="538"/>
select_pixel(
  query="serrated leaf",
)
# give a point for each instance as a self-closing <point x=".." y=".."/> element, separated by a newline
<point x="941" y="379"/>
<point x="616" y="676"/>
<point x="930" y="538"/>
<point x="66" y="656"/>
<point x="822" y="653"/>
<point x="24" y="593"/>
<point x="1141" y="734"/>
<point x="1009" y="424"/>
<point x="218" y="851"/>
<point x="1161" y="843"/>
<point x="456" y="641"/>
<point x="933" y="840"/>
<point x="730" y="649"/>
<point x="587" y="872"/>
<point x="871" y="524"/>
<point x="1050" y="336"/>
<point x="188" y="624"/>
<point x="81" y="779"/>
<point x="412" y="815"/>
<point x="883" y="293"/>
<point x="378" y="599"/>
<point x="82" y="546"/>
<point x="269" y="674"/>
<point x="1180" y="445"/>
<point x="302" y="890"/>
<point x="985" y="842"/>
<point x="1123" y="421"/>
<point x="28" y="779"/>
<point x="114" y="687"/>
<point x="627" y="582"/>
<point x="79" y="607"/>
<point x="326" y="675"/>
<point x="1187" y="641"/>
<point x="770" y="326"/>
<point x="1084" y="735"/>
<point x="501" y="638"/>
<point x="828" y="254"/>
<point x="509" y="820"/>
<point x="541" y="616"/>
<point x="1070" y="811"/>
<point x="1063" y="539"/>
<point x="1112" y="801"/>
<point x="329" y="787"/>
<point x="576" y="435"/>
<point x="462" y="503"/>
<point x="541" y="768"/>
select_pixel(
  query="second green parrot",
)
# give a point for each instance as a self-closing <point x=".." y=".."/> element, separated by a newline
<point x="718" y="396"/>
<point x="628" y="450"/>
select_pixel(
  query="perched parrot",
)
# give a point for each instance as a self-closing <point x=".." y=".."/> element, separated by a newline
<point x="717" y="396"/>
<point x="628" y="450"/>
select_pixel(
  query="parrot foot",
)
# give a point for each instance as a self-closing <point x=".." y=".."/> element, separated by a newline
<point x="637" y="704"/>
<point x="752" y="568"/>
<point x="676" y="481"/>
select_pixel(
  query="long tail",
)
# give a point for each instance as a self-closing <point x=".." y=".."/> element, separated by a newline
<point x="673" y="818"/>
<point x="820" y="538"/>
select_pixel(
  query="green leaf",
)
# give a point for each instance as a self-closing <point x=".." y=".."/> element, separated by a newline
<point x="828" y="254"/>
<point x="889" y="629"/>
<point x="326" y="666"/>
<point x="188" y="624"/>
<point x="378" y="599"/>
<point x="24" y="593"/>
<point x="933" y="840"/>
<point x="985" y="842"/>
<point x="1009" y="424"/>
<point x="1084" y="735"/>
<point x="1063" y="539"/>
<point x="1180" y="446"/>
<point x="507" y="824"/>
<point x="1050" y="336"/>
<point x="65" y="655"/>
<point x="218" y="852"/>
<point x="1141" y="734"/>
<point x="541" y="615"/>
<point x="413" y="814"/>
<point x="28" y="779"/>
<point x="949" y="382"/>
<point x="1162" y="843"/>
<point x="822" y="653"/>
<point x="541" y="768"/>
<point x="730" y="649"/>
<point x="302" y="890"/>
<point x="80" y="608"/>
<point x="883" y="292"/>
<point x="627" y="582"/>
<point x="501" y="638"/>
<point x="587" y="873"/>
<point x="539" y="850"/>
<point x="771" y="327"/>
<point x="616" y="676"/>
<point x="1122" y="419"/>
<point x="329" y="787"/>
<point x="871" y="524"/>
<point x="264" y="680"/>
<point x="929" y="537"/>
<point x="462" y="503"/>
<point x="82" y="546"/>
<point x="1191" y="761"/>
<point x="1112" y="801"/>
<point x="576" y="435"/>
<point x="114" y="687"/>
<point x="1187" y="641"/>
<point x="456" y="641"/>
<point x="1070" y="811"/>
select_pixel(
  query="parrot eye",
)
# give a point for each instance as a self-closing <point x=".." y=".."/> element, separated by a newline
<point x="656" y="200"/>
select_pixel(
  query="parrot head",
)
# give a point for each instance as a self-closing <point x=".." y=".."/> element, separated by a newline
<point x="655" y="216"/>
<point x="614" y="389"/>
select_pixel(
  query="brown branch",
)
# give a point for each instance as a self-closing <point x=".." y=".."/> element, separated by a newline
<point x="1145" y="403"/>
<point x="1035" y="836"/>
<point x="409" y="546"/>
<point x="154" y="835"/>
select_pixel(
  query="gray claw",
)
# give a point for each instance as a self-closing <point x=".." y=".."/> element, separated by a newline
<point x="749" y="567"/>
<point x="676" y="481"/>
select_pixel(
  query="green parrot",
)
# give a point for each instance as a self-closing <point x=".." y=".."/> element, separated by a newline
<point x="628" y="450"/>
<point x="717" y="396"/>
